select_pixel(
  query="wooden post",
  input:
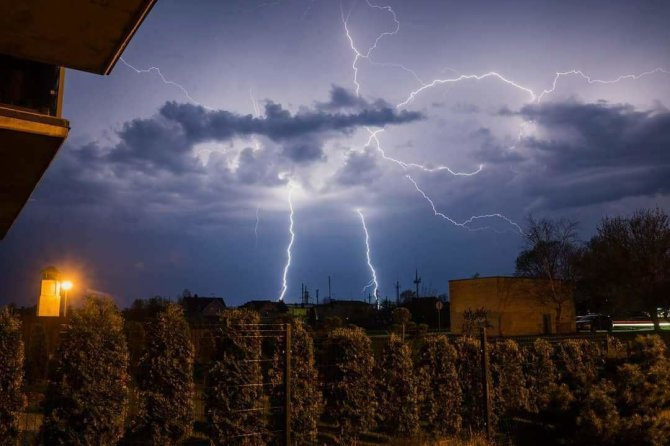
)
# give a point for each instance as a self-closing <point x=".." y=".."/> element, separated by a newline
<point x="486" y="385"/>
<point x="287" y="386"/>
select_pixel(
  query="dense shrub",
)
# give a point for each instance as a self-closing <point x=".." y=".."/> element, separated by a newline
<point x="349" y="382"/>
<point x="86" y="399"/>
<point x="165" y="381"/>
<point x="37" y="355"/>
<point x="397" y="397"/>
<point x="234" y="398"/>
<point x="469" y="366"/>
<point x="12" y="399"/>
<point x="306" y="399"/>
<point x="635" y="408"/>
<point x="510" y="394"/>
<point x="541" y="374"/>
<point x="439" y="390"/>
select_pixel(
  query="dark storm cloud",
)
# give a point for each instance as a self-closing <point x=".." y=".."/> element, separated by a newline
<point x="155" y="156"/>
<point x="278" y="123"/>
<point x="593" y="153"/>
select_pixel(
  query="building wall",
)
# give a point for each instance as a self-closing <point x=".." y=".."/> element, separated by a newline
<point x="515" y="306"/>
<point x="49" y="303"/>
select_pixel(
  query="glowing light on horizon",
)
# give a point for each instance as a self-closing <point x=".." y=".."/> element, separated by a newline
<point x="373" y="282"/>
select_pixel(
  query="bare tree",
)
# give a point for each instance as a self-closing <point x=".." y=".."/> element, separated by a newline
<point x="551" y="254"/>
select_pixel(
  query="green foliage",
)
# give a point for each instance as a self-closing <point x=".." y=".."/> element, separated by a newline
<point x="348" y="382"/>
<point x="541" y="374"/>
<point x="306" y="398"/>
<point x="136" y="341"/>
<point x="635" y="408"/>
<point x="510" y="394"/>
<point x="397" y="396"/>
<point x="401" y="318"/>
<point x="469" y="366"/>
<point x="166" y="381"/>
<point x="86" y="399"/>
<point x="234" y="399"/>
<point x="473" y="320"/>
<point x="578" y="362"/>
<point x="12" y="399"/>
<point x="439" y="390"/>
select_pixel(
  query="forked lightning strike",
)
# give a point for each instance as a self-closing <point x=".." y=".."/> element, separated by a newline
<point x="290" y="244"/>
<point x="373" y="282"/>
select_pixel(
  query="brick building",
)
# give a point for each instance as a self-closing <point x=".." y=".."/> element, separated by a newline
<point x="514" y="305"/>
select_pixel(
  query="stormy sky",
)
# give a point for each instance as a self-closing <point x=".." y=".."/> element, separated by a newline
<point x="178" y="176"/>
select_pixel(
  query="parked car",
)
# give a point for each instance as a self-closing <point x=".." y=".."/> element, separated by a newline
<point x="594" y="322"/>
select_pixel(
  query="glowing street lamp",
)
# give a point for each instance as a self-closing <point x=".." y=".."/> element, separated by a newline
<point x="66" y="286"/>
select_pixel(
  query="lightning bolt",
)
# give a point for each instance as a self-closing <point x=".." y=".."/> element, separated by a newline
<point x="534" y="97"/>
<point x="358" y="55"/>
<point x="290" y="244"/>
<point x="373" y="283"/>
<point x="465" y="223"/>
<point x="405" y="166"/>
<point x="165" y="80"/>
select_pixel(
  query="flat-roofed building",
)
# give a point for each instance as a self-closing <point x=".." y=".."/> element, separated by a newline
<point x="513" y="305"/>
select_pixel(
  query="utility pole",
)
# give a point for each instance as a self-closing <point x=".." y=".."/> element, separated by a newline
<point x="317" y="296"/>
<point x="397" y="292"/>
<point x="287" y="386"/>
<point x="330" y="297"/>
<point x="417" y="281"/>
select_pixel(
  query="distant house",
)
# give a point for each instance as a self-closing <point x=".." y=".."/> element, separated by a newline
<point x="268" y="310"/>
<point x="202" y="309"/>
<point x="514" y="306"/>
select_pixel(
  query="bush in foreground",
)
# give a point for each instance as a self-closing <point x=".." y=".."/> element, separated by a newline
<point x="166" y="381"/>
<point x="349" y="382"/>
<point x="12" y="399"/>
<point x="86" y="399"/>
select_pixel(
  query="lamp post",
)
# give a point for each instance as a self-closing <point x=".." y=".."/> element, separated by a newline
<point x="66" y="285"/>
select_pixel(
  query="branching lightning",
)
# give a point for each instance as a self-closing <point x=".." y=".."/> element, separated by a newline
<point x="373" y="282"/>
<point x="534" y="97"/>
<point x="290" y="244"/>
<point x="165" y="81"/>
<point x="404" y="165"/>
<point x="358" y="55"/>
<point x="465" y="223"/>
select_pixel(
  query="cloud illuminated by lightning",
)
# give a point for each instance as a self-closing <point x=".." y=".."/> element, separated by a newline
<point x="290" y="244"/>
<point x="373" y="282"/>
<point x="465" y="223"/>
<point x="165" y="81"/>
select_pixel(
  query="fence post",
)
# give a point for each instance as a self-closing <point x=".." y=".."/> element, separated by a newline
<point x="287" y="386"/>
<point x="486" y="385"/>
